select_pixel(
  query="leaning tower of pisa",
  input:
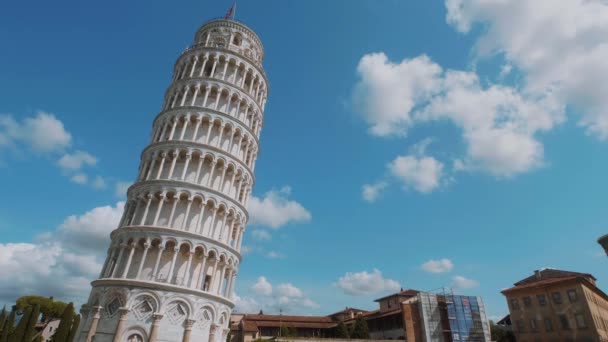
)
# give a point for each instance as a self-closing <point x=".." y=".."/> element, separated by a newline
<point x="171" y="267"/>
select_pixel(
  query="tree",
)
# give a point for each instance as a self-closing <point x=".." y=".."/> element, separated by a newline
<point x="501" y="335"/>
<point x="2" y="318"/>
<point x="360" y="331"/>
<point x="342" y="331"/>
<point x="63" y="330"/>
<point x="287" y="332"/>
<point x="74" y="329"/>
<point x="8" y="327"/>
<point x="48" y="307"/>
<point x="19" y="332"/>
<point x="30" y="329"/>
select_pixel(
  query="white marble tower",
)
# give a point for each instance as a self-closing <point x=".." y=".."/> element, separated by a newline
<point x="172" y="263"/>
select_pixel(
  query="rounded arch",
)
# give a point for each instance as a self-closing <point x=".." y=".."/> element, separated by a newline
<point x="135" y="333"/>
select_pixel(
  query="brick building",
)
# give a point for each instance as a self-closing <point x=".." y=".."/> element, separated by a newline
<point x="556" y="305"/>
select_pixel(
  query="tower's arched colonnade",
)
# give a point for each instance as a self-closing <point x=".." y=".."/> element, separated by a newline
<point x="171" y="267"/>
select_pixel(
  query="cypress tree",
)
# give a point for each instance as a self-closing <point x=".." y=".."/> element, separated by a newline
<point x="30" y="329"/>
<point x="361" y="331"/>
<point x="2" y="318"/>
<point x="342" y="331"/>
<point x="8" y="327"/>
<point x="74" y="329"/>
<point x="63" y="330"/>
<point x="19" y="332"/>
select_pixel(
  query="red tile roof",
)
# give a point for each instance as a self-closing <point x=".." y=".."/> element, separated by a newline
<point x="402" y="293"/>
<point x="550" y="273"/>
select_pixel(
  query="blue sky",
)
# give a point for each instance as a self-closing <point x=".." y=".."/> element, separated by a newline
<point x="396" y="133"/>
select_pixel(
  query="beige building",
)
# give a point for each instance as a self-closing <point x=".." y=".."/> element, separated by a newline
<point x="554" y="305"/>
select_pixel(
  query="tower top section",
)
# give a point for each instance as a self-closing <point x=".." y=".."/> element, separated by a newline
<point x="232" y="35"/>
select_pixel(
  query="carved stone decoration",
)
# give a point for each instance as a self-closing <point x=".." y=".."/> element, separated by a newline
<point x="177" y="312"/>
<point x="113" y="307"/>
<point x="144" y="308"/>
<point x="203" y="318"/>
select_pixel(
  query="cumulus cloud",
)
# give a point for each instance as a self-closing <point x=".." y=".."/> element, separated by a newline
<point x="287" y="298"/>
<point x="75" y="161"/>
<point x="560" y="46"/>
<point x="261" y="234"/>
<point x="62" y="262"/>
<point x="422" y="174"/>
<point x="499" y="124"/>
<point x="371" y="192"/>
<point x="462" y="283"/>
<point x="387" y="92"/>
<point x="438" y="266"/>
<point x="80" y="178"/>
<point x="366" y="283"/>
<point x="42" y="133"/>
<point x="275" y="210"/>
<point x="262" y="287"/>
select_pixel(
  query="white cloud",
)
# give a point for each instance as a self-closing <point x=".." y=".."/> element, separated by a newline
<point x="246" y="305"/>
<point x="387" y="92"/>
<point x="80" y="178"/>
<point x="288" y="290"/>
<point x="261" y="234"/>
<point x="462" y="283"/>
<point x="63" y="262"/>
<point x="560" y="46"/>
<point x="499" y="124"/>
<point x="371" y="192"/>
<point x="287" y="298"/>
<point x="438" y="266"/>
<point x="121" y="188"/>
<point x="262" y="287"/>
<point x="43" y="133"/>
<point x="75" y="161"/>
<point x="99" y="183"/>
<point x="422" y="174"/>
<point x="276" y="210"/>
<point x="274" y="255"/>
<point x="366" y="283"/>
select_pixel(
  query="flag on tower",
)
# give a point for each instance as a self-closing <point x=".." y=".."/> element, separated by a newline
<point x="231" y="11"/>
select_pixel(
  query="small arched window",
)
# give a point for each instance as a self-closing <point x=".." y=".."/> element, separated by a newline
<point x="237" y="40"/>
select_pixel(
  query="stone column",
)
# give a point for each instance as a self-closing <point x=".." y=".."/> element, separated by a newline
<point x="152" y="163"/>
<point x="173" y="127"/>
<point x="198" y="125"/>
<point x="157" y="264"/>
<point x="199" y="229"/>
<point x="187" y="273"/>
<point x="210" y="180"/>
<point x="209" y="129"/>
<point x="94" y="323"/>
<point x="172" y="268"/>
<point x="201" y="159"/>
<point x="183" y="133"/>
<point x="163" y="156"/>
<point x="202" y="274"/>
<point x="124" y="313"/>
<point x="188" y="330"/>
<point x="185" y="221"/>
<point x="186" y="164"/>
<point x="194" y="66"/>
<point x="118" y="260"/>
<point x="213" y="332"/>
<point x="143" y="217"/>
<point x="160" y="208"/>
<point x="173" y="162"/>
<point x="143" y="260"/>
<point x="205" y="58"/>
<point x="155" y="324"/>
<point x="129" y="260"/>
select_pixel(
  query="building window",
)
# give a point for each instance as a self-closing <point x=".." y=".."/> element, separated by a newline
<point x="542" y="300"/>
<point x="533" y="324"/>
<point x="557" y="297"/>
<point x="548" y="324"/>
<point x="572" y="295"/>
<point x="563" y="319"/>
<point x="527" y="302"/>
<point x="514" y="304"/>
<point x="520" y="326"/>
<point x="580" y="321"/>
